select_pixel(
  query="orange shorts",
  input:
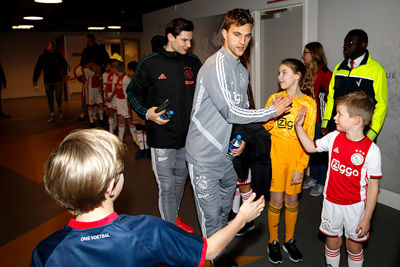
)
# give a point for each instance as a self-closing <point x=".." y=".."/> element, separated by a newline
<point x="284" y="156"/>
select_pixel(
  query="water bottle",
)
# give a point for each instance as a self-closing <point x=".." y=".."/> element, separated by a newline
<point x="234" y="144"/>
<point x="167" y="115"/>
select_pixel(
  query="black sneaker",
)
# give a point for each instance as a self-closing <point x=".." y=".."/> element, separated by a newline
<point x="225" y="261"/>
<point x="246" y="228"/>
<point x="294" y="253"/>
<point x="274" y="252"/>
<point x="140" y="153"/>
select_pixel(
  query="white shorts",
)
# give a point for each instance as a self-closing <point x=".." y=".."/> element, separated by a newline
<point x="94" y="97"/>
<point x="335" y="217"/>
<point x="123" y="108"/>
<point x="111" y="104"/>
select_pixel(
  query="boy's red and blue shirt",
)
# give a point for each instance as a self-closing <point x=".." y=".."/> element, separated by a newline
<point x="121" y="240"/>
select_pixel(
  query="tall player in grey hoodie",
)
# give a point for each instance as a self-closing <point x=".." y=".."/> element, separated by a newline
<point x="220" y="100"/>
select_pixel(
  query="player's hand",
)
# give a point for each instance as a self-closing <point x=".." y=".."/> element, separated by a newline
<point x="155" y="117"/>
<point x="363" y="227"/>
<point x="282" y="104"/>
<point x="236" y="152"/>
<point x="251" y="209"/>
<point x="297" y="177"/>
<point x="300" y="116"/>
<point x="35" y="86"/>
<point x="324" y="131"/>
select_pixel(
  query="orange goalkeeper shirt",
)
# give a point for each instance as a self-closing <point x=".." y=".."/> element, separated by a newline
<point x="283" y="126"/>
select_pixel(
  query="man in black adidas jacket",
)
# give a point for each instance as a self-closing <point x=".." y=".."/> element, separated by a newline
<point x="170" y="74"/>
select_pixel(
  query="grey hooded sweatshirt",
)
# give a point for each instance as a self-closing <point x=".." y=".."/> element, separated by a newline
<point x="220" y="100"/>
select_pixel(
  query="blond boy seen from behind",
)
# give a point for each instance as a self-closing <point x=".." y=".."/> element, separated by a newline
<point x="85" y="176"/>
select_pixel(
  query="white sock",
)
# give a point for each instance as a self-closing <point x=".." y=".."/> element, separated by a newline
<point x="133" y="131"/>
<point x="236" y="201"/>
<point x="101" y="112"/>
<point x="332" y="257"/>
<point x="245" y="196"/>
<point x="355" y="260"/>
<point x="140" y="138"/>
<point x="91" y="115"/>
<point x="121" y="132"/>
<point x="111" y="124"/>
<point x="145" y="140"/>
<point x="115" y="119"/>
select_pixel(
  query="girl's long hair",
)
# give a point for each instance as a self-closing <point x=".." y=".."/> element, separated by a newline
<point x="318" y="56"/>
<point x="306" y="81"/>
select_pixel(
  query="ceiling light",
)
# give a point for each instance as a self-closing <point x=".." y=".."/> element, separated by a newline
<point x="22" y="27"/>
<point x="33" y="18"/>
<point x="114" y="27"/>
<point x="48" y="1"/>
<point x="95" y="28"/>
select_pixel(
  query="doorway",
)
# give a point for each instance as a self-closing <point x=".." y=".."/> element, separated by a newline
<point x="126" y="50"/>
<point x="278" y="35"/>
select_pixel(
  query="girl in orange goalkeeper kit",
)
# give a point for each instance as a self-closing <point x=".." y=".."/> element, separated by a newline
<point x="288" y="159"/>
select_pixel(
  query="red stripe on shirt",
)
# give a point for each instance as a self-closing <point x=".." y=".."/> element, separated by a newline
<point x="203" y="253"/>
<point x="376" y="177"/>
<point x="85" y="225"/>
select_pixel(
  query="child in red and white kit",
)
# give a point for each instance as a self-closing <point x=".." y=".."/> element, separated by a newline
<point x="109" y="97"/>
<point x="352" y="183"/>
<point x="94" y="94"/>
<point x="144" y="150"/>
<point x="121" y="82"/>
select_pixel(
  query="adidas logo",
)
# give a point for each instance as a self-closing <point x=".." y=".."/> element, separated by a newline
<point x="336" y="150"/>
<point x="162" y="77"/>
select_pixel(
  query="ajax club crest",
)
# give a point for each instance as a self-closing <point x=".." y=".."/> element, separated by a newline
<point x="357" y="159"/>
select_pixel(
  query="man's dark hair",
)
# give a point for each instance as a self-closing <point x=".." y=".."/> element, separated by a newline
<point x="176" y="26"/>
<point x="132" y="65"/>
<point x="360" y="33"/>
<point x="238" y="17"/>
<point x="158" y="42"/>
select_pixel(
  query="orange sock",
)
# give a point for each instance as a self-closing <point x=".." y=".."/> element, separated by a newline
<point x="290" y="220"/>
<point x="274" y="215"/>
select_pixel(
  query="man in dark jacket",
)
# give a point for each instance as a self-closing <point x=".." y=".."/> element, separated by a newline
<point x="169" y="74"/>
<point x="94" y="53"/>
<point x="54" y="68"/>
<point x="96" y="56"/>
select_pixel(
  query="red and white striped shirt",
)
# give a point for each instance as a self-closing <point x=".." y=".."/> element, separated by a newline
<point x="351" y="165"/>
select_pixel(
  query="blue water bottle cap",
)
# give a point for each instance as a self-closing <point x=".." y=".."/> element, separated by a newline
<point x="171" y="112"/>
<point x="238" y="137"/>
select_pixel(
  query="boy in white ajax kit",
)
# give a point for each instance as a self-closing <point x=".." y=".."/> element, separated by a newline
<point x="352" y="182"/>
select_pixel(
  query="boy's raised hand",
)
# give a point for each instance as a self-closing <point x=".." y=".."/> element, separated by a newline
<point x="251" y="209"/>
<point x="301" y="115"/>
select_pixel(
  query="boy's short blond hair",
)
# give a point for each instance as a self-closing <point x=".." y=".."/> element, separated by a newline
<point x="358" y="104"/>
<point x="118" y="65"/>
<point x="81" y="168"/>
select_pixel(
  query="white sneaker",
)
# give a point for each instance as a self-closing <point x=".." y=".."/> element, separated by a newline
<point x="317" y="190"/>
<point x="309" y="182"/>
<point x="51" y="119"/>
